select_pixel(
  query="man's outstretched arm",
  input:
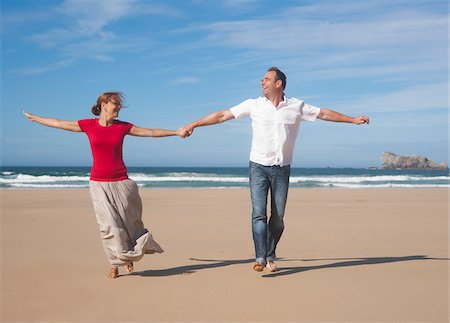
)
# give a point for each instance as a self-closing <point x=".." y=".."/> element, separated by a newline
<point x="330" y="115"/>
<point x="210" y="119"/>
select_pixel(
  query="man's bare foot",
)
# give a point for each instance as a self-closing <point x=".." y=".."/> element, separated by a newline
<point x="113" y="273"/>
<point x="129" y="268"/>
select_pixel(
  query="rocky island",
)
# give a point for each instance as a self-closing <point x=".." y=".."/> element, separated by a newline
<point x="392" y="161"/>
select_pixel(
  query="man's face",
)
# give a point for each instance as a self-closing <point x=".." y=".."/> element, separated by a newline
<point x="268" y="84"/>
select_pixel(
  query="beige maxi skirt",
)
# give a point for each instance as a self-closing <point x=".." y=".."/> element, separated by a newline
<point x="118" y="209"/>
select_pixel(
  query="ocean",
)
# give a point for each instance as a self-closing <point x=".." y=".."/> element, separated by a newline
<point x="225" y="177"/>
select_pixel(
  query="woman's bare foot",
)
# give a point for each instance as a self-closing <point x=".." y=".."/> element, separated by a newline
<point x="113" y="273"/>
<point x="129" y="267"/>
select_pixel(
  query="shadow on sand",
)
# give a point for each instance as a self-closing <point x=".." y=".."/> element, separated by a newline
<point x="190" y="269"/>
<point x="282" y="270"/>
<point x="347" y="262"/>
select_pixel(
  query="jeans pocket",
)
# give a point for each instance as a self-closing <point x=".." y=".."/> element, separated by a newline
<point x="256" y="170"/>
<point x="286" y="170"/>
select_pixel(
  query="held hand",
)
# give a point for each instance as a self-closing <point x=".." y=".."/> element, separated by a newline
<point x="361" y="120"/>
<point x="185" y="131"/>
<point x="181" y="133"/>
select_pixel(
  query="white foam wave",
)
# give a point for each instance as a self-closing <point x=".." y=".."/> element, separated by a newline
<point x="386" y="185"/>
<point x="190" y="178"/>
<point x="359" y="179"/>
<point x="23" y="178"/>
<point x="146" y="178"/>
<point x="25" y="185"/>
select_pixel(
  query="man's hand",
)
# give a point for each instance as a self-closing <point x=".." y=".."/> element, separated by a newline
<point x="28" y="115"/>
<point x="361" y="120"/>
<point x="330" y="115"/>
<point x="185" y="131"/>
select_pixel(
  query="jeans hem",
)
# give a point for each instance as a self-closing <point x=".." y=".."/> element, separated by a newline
<point x="261" y="261"/>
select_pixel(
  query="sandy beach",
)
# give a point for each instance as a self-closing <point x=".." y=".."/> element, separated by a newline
<point x="363" y="255"/>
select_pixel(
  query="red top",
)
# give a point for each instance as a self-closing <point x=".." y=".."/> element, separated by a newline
<point x="106" y="146"/>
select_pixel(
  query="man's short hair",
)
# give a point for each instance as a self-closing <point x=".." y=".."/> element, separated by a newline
<point x="280" y="76"/>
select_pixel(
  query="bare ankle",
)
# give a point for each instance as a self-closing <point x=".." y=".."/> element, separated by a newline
<point x="113" y="273"/>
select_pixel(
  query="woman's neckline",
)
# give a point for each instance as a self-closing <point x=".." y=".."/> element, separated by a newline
<point x="100" y="125"/>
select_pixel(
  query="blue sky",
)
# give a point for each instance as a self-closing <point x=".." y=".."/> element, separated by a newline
<point x="177" y="61"/>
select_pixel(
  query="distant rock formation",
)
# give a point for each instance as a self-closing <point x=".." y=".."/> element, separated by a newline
<point x="392" y="161"/>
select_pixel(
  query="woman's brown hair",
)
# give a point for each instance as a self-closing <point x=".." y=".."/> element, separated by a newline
<point x="106" y="97"/>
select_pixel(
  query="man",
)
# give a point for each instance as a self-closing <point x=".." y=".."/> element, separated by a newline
<point x="275" y="122"/>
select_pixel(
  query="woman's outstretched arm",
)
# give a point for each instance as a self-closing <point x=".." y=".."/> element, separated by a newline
<point x="147" y="132"/>
<point x="54" y="123"/>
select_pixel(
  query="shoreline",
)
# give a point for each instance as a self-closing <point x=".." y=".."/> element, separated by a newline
<point x="230" y="178"/>
<point x="235" y="188"/>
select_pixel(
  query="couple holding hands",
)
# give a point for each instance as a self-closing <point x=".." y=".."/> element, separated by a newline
<point x="118" y="207"/>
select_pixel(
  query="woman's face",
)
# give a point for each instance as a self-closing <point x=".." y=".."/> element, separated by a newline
<point x="112" y="109"/>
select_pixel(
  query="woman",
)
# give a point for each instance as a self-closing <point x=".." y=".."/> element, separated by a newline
<point x="116" y="200"/>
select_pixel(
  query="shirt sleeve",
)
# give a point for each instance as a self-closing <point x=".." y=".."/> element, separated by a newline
<point x="128" y="127"/>
<point x="125" y="126"/>
<point x="242" y="109"/>
<point x="84" y="124"/>
<point x="309" y="112"/>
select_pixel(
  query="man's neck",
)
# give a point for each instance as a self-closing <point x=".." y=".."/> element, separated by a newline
<point x="276" y="99"/>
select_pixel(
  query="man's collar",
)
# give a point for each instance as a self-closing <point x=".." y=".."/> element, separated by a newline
<point x="281" y="104"/>
<point x="284" y="98"/>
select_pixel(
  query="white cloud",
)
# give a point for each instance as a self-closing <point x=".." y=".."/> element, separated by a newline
<point x="419" y="97"/>
<point x="85" y="33"/>
<point x="13" y="19"/>
<point x="186" y="80"/>
<point x="35" y="70"/>
<point x="344" y="39"/>
<point x="90" y="17"/>
<point x="154" y="9"/>
<point x="303" y="35"/>
<point x="83" y="19"/>
<point x="53" y="37"/>
<point x="93" y="48"/>
<point x="103" y="58"/>
<point x="368" y="39"/>
<point x="237" y="5"/>
<point x="240" y="4"/>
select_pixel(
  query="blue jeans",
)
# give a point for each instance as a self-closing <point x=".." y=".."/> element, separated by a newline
<point x="266" y="235"/>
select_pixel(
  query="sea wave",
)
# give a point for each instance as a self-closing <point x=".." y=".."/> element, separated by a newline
<point x="196" y="177"/>
<point x="385" y="185"/>
<point x="184" y="178"/>
<point x="21" y="178"/>
<point x="359" y="179"/>
<point x="47" y="185"/>
<point x="224" y="179"/>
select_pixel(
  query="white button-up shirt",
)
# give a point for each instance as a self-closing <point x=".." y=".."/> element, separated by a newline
<point x="274" y="128"/>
